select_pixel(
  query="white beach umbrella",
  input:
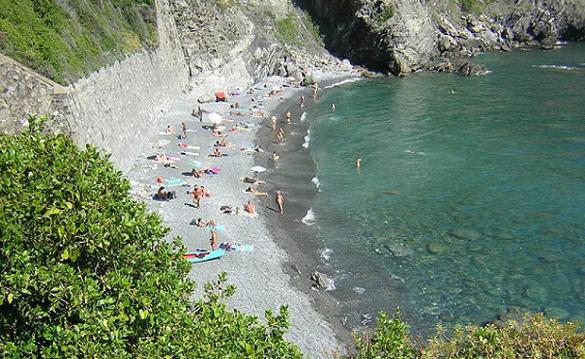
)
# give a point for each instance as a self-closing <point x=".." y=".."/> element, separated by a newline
<point x="215" y="117"/>
<point x="258" y="169"/>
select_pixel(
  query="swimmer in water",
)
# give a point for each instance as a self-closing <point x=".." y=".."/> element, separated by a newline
<point x="333" y="107"/>
<point x="358" y="163"/>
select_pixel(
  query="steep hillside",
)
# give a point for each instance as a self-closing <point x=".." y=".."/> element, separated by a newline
<point x="266" y="37"/>
<point x="65" y="40"/>
<point x="402" y="36"/>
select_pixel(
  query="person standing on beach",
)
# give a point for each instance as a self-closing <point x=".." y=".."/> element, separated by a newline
<point x="279" y="198"/>
<point x="183" y="130"/>
<point x="288" y="116"/>
<point x="273" y="121"/>
<point x="302" y="104"/>
<point x="197" y="195"/>
<point x="315" y="89"/>
<point x="213" y="240"/>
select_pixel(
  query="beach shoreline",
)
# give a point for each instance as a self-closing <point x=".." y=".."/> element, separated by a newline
<point x="263" y="276"/>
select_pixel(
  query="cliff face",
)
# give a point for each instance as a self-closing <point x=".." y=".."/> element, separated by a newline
<point x="402" y="36"/>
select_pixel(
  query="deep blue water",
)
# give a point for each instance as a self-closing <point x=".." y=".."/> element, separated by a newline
<point x="471" y="195"/>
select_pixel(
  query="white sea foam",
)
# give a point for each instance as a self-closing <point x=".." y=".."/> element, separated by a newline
<point x="556" y="67"/>
<point x="326" y="254"/>
<point x="346" y="81"/>
<point x="316" y="182"/>
<point x="303" y="116"/>
<point x="307" y="139"/>
<point x="561" y="42"/>
<point x="309" y="218"/>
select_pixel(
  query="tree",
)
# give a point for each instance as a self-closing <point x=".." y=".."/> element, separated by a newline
<point x="85" y="270"/>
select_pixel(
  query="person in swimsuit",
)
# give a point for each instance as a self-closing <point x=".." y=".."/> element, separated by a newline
<point x="288" y="116"/>
<point x="250" y="207"/>
<point x="273" y="122"/>
<point x="183" y="130"/>
<point x="279" y="198"/>
<point x="213" y="240"/>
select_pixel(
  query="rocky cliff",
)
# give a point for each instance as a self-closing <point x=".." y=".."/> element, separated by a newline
<point x="402" y="36"/>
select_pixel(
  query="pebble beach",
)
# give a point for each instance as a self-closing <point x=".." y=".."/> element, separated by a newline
<point x="261" y="273"/>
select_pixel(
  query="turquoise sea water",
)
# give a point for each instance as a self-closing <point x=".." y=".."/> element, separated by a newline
<point x="471" y="196"/>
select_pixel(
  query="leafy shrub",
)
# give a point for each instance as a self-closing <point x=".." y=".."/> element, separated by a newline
<point x="85" y="270"/>
<point x="533" y="337"/>
<point x="65" y="40"/>
<point x="469" y="5"/>
<point x="386" y="13"/>
<point x="390" y="340"/>
<point x="287" y="30"/>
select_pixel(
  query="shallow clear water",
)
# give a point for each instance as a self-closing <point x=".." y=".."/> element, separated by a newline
<point x="471" y="195"/>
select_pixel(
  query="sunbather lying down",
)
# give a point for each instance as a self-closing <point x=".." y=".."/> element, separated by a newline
<point x="252" y="180"/>
<point x="217" y="153"/>
<point x="255" y="192"/>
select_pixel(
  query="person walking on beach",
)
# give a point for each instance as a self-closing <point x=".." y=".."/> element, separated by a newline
<point x="273" y="122"/>
<point x="288" y="116"/>
<point x="279" y="198"/>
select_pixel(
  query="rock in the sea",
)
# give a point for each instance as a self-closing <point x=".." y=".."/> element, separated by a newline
<point x="436" y="248"/>
<point x="537" y="293"/>
<point x="399" y="249"/>
<point x="359" y="290"/>
<point x="469" y="68"/>
<point x="322" y="281"/>
<point x="558" y="313"/>
<point x="464" y="233"/>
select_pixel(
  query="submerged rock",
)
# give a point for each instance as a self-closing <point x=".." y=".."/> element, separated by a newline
<point x="464" y="233"/>
<point x="436" y="248"/>
<point x="399" y="249"/>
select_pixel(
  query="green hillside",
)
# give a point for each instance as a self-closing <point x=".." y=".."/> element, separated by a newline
<point x="67" y="39"/>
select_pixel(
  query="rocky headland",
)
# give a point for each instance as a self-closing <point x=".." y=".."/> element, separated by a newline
<point x="403" y="36"/>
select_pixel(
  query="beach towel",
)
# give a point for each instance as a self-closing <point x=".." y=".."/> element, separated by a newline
<point x="185" y="145"/>
<point x="169" y="182"/>
<point x="162" y="143"/>
<point x="187" y="153"/>
<point x="228" y="247"/>
<point x="196" y="164"/>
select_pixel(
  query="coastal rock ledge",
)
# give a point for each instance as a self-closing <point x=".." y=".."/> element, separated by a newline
<point x="403" y="36"/>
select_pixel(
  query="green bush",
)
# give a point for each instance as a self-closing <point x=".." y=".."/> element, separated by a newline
<point x="288" y="31"/>
<point x="390" y="340"/>
<point x="387" y="13"/>
<point x="65" y="40"/>
<point x="533" y="337"/>
<point x="85" y="270"/>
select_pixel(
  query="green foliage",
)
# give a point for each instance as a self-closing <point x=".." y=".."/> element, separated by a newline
<point x="386" y="13"/>
<point x="288" y="31"/>
<point x="534" y="337"/>
<point x="470" y="6"/>
<point x="390" y="340"/>
<point x="65" y="40"/>
<point x="226" y="4"/>
<point x="85" y="270"/>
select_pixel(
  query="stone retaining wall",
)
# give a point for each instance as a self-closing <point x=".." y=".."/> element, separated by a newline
<point x="116" y="109"/>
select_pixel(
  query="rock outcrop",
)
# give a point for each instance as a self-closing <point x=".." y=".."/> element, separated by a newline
<point x="403" y="36"/>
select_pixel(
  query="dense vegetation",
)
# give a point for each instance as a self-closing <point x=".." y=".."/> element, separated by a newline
<point x="64" y="40"/>
<point x="85" y="270"/>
